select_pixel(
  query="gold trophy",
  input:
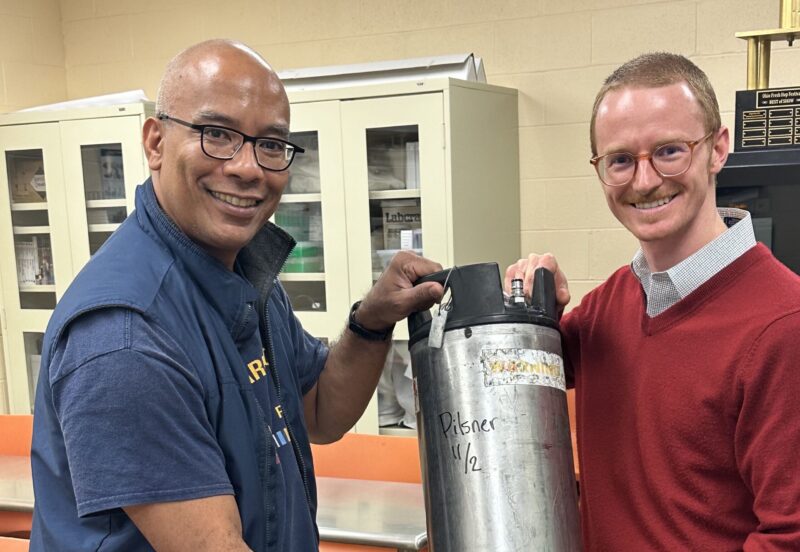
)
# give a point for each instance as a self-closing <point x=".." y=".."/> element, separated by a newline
<point x="768" y="118"/>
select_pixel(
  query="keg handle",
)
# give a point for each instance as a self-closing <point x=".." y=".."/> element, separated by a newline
<point x="476" y="293"/>
<point x="476" y="289"/>
<point x="543" y="294"/>
<point x="483" y="288"/>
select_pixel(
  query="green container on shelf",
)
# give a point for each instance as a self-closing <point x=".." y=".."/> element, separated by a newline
<point x="305" y="257"/>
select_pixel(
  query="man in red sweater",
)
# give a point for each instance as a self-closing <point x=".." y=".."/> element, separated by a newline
<point x="686" y="363"/>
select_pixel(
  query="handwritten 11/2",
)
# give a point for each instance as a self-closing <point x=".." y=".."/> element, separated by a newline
<point x="468" y="458"/>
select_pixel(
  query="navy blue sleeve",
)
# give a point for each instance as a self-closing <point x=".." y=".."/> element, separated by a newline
<point x="133" y="415"/>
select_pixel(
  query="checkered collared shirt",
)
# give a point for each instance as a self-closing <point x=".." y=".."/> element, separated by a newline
<point x="664" y="289"/>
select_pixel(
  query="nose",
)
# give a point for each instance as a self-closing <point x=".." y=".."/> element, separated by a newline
<point x="646" y="178"/>
<point x="244" y="164"/>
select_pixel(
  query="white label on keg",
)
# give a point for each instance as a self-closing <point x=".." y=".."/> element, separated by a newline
<point x="522" y="367"/>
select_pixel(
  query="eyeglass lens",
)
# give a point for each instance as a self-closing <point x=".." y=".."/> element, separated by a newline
<point x="223" y="143"/>
<point x="672" y="159"/>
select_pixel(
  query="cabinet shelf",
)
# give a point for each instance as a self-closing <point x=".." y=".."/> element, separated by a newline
<point x="26" y="230"/>
<point x="301" y="198"/>
<point x="34" y="206"/>
<point x="105" y="203"/>
<point x="394" y="194"/>
<point x="302" y="276"/>
<point x="36" y="288"/>
<point x="110" y="227"/>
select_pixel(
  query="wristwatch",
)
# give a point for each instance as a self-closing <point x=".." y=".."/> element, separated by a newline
<point x="361" y="331"/>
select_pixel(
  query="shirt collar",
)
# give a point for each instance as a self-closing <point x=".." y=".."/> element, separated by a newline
<point x="664" y="289"/>
<point x="229" y="291"/>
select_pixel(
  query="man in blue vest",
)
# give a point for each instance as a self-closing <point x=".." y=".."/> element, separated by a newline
<point x="178" y="392"/>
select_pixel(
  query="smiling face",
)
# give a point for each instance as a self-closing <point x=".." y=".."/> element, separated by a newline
<point x="672" y="217"/>
<point x="219" y="204"/>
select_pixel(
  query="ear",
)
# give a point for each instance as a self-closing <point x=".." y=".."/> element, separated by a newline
<point x="153" y="142"/>
<point x="719" y="154"/>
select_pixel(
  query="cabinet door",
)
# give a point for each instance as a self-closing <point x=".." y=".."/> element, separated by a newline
<point x="311" y="210"/>
<point x="103" y="164"/>
<point x="34" y="242"/>
<point x="394" y="168"/>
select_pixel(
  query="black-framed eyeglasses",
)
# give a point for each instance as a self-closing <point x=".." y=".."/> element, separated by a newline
<point x="668" y="160"/>
<point x="219" y="142"/>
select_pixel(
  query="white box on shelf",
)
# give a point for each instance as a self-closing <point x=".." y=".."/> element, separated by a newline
<point x="398" y="215"/>
<point x="27" y="261"/>
<point x="412" y="165"/>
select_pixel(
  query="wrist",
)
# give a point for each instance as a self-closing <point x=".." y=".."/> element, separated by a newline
<point x="366" y="332"/>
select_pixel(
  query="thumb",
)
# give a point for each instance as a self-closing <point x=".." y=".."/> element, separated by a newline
<point x="425" y="295"/>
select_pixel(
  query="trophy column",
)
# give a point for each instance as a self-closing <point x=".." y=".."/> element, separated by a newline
<point x="759" y="43"/>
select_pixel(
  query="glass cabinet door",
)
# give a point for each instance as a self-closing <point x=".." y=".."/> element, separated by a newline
<point x="395" y="193"/>
<point x="34" y="244"/>
<point x="34" y="205"/>
<point x="312" y="211"/>
<point x="396" y="199"/>
<point x="103" y="164"/>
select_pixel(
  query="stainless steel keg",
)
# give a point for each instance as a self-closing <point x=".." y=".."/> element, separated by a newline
<point x="492" y="417"/>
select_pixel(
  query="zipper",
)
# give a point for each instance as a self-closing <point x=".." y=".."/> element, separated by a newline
<point x="266" y="335"/>
<point x="267" y="467"/>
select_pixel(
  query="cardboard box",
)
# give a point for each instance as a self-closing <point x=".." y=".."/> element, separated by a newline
<point x="398" y="215"/>
<point x="26" y="180"/>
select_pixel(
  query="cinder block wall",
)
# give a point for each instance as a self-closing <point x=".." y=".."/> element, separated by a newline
<point x="31" y="54"/>
<point x="555" y="52"/>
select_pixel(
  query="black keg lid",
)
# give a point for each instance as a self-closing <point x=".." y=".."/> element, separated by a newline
<point x="477" y="298"/>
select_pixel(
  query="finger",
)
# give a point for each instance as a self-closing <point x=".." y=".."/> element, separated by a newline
<point x="403" y="302"/>
<point x="529" y="272"/>
<point x="415" y="267"/>
<point x="548" y="261"/>
<point x="518" y="271"/>
<point x="562" y="289"/>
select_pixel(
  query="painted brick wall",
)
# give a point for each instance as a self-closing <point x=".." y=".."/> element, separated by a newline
<point x="31" y="54"/>
<point x="555" y="52"/>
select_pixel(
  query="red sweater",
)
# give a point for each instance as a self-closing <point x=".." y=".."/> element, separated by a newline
<point x="689" y="422"/>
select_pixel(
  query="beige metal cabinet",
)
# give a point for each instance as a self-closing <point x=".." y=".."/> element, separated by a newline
<point x="430" y="166"/>
<point x="66" y="182"/>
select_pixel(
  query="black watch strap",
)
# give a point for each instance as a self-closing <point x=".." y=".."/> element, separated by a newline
<point x="361" y="331"/>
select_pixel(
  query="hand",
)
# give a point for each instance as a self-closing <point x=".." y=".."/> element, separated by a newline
<point x="394" y="296"/>
<point x="524" y="269"/>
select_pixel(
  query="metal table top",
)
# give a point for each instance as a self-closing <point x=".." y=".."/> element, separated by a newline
<point x="354" y="511"/>
<point x="376" y="513"/>
<point x="16" y="487"/>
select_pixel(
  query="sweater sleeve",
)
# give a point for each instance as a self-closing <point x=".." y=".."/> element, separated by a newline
<point x="767" y="438"/>
<point x="571" y="343"/>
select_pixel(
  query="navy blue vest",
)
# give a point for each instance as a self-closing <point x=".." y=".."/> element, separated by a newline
<point x="148" y="265"/>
